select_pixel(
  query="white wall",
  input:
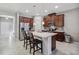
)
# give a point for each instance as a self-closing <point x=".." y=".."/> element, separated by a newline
<point x="25" y="15"/>
<point x="71" y="23"/>
<point x="3" y="12"/>
<point x="38" y="22"/>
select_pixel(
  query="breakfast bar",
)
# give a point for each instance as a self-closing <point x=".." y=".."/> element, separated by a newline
<point x="46" y="38"/>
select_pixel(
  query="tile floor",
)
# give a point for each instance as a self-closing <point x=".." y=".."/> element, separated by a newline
<point x="11" y="46"/>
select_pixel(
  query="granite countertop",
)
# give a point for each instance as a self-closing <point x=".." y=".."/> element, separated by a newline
<point x="44" y="34"/>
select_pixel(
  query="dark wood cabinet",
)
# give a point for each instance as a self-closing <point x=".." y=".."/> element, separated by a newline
<point x="59" y="20"/>
<point x="56" y="21"/>
<point x="49" y="19"/>
<point x="26" y="20"/>
<point x="60" y="36"/>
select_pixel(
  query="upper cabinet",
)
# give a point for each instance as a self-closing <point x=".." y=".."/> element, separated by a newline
<point x="26" y="20"/>
<point x="52" y="17"/>
<point x="57" y="20"/>
<point x="49" y="19"/>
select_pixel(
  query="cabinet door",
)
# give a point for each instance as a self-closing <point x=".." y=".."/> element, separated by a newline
<point x="53" y="18"/>
<point x="56" y="21"/>
<point x="46" y="21"/>
<point x="60" y="36"/>
<point x="59" y="20"/>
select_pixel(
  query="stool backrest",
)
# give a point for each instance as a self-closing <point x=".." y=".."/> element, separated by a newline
<point x="31" y="37"/>
<point x="24" y="34"/>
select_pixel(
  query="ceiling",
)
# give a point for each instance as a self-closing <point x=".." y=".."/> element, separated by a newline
<point x="37" y="8"/>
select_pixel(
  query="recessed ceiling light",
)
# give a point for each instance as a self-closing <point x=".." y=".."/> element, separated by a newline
<point x="46" y="11"/>
<point x="34" y="5"/>
<point x="27" y="11"/>
<point x="56" y="6"/>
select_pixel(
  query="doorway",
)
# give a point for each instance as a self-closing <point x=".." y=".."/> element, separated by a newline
<point x="7" y="27"/>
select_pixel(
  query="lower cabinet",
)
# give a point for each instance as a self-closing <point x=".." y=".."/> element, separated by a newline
<point x="60" y="36"/>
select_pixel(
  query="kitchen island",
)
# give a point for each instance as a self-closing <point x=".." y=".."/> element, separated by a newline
<point x="46" y="37"/>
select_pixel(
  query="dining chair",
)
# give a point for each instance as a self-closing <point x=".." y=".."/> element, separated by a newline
<point x="34" y="43"/>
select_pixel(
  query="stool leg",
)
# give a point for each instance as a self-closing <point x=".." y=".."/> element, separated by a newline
<point x="24" y="42"/>
<point x="41" y="48"/>
<point x="30" y="47"/>
<point x="33" y="49"/>
<point x="37" y="46"/>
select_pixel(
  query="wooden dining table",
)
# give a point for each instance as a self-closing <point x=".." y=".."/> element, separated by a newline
<point x="46" y="39"/>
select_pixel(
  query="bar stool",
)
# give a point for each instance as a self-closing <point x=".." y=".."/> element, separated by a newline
<point x="35" y="43"/>
<point x="26" y="39"/>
